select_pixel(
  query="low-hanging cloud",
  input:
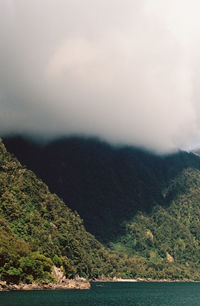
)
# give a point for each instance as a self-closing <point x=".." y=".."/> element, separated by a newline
<point x="123" y="70"/>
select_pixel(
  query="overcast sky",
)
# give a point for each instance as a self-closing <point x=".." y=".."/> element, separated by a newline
<point x="127" y="71"/>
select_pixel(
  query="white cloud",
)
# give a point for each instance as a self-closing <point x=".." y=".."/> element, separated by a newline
<point x="126" y="71"/>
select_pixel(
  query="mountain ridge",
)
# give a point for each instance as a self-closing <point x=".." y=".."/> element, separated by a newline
<point x="106" y="185"/>
<point x="158" y="236"/>
<point x="43" y="230"/>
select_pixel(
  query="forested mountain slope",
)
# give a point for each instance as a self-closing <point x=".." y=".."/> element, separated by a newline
<point x="37" y="229"/>
<point x="106" y="185"/>
<point x="146" y="208"/>
<point x="172" y="230"/>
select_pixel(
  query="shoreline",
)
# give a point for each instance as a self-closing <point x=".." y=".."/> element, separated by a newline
<point x="83" y="284"/>
<point x="80" y="284"/>
<point x="146" y="280"/>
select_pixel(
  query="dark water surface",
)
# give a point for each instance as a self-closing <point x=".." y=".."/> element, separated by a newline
<point x="111" y="294"/>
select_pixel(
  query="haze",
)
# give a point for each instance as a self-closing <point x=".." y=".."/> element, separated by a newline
<point x="125" y="71"/>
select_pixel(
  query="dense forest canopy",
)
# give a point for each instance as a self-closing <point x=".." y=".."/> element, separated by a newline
<point x="144" y="209"/>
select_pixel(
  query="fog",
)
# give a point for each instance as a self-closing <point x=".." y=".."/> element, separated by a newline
<point x="127" y="71"/>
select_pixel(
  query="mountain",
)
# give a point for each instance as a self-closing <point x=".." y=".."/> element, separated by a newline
<point x="38" y="230"/>
<point x="144" y="207"/>
<point x="106" y="185"/>
<point x="172" y="231"/>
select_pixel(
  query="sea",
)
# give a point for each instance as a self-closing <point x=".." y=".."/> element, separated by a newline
<point x="112" y="294"/>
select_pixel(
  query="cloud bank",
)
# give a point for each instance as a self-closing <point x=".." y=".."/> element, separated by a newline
<point x="123" y="70"/>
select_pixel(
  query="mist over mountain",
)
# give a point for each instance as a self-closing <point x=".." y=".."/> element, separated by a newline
<point x="100" y="101"/>
<point x="124" y="71"/>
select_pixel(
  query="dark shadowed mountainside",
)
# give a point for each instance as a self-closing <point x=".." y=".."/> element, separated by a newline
<point x="38" y="230"/>
<point x="107" y="185"/>
<point x="144" y="207"/>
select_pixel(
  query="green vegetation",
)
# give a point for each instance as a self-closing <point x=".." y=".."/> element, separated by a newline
<point x="169" y="233"/>
<point x="37" y="229"/>
<point x="145" y="209"/>
<point x="106" y="185"/>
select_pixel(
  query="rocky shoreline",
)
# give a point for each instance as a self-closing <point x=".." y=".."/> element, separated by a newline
<point x="80" y="283"/>
<point x="68" y="284"/>
<point x="61" y="282"/>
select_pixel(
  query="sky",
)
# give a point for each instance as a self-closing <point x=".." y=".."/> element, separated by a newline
<point x="127" y="71"/>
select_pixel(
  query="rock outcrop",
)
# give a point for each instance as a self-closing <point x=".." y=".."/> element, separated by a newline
<point x="67" y="284"/>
